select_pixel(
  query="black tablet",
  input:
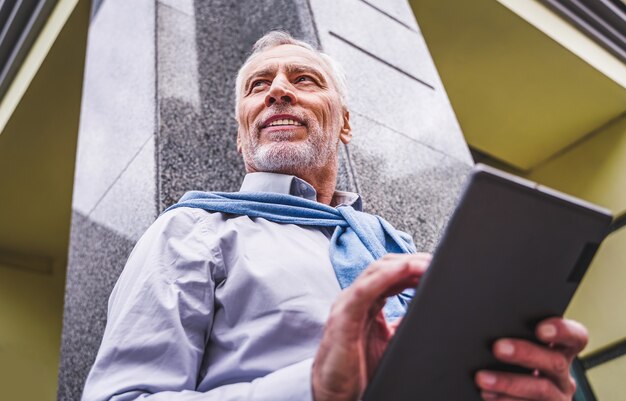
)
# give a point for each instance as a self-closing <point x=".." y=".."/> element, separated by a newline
<point x="512" y="254"/>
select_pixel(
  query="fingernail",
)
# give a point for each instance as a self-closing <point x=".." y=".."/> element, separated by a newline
<point x="487" y="379"/>
<point x="547" y="331"/>
<point x="506" y="347"/>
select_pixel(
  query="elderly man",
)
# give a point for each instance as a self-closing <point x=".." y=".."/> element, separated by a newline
<point x="255" y="296"/>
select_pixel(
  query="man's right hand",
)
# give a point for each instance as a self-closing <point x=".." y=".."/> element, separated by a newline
<point x="356" y="333"/>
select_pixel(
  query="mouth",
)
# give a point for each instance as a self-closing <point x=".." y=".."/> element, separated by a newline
<point x="283" y="120"/>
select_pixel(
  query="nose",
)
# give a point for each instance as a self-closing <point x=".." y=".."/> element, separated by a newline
<point x="280" y="92"/>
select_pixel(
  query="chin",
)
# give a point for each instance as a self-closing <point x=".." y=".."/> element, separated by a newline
<point x="286" y="157"/>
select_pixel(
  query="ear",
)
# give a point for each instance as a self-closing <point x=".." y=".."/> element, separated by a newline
<point x="238" y="142"/>
<point x="346" y="131"/>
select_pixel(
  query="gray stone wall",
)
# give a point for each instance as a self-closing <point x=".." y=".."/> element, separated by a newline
<point x="408" y="155"/>
<point x="158" y="119"/>
<point x="114" y="198"/>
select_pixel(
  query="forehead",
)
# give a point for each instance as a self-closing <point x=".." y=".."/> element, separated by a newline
<point x="284" y="55"/>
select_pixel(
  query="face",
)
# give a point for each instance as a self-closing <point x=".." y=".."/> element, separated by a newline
<point x="289" y="112"/>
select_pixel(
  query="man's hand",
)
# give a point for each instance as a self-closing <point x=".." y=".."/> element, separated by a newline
<point x="356" y="333"/>
<point x="564" y="339"/>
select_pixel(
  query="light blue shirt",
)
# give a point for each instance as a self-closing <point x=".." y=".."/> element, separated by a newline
<point x="219" y="307"/>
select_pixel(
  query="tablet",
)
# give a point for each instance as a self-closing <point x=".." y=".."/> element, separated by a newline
<point x="512" y="254"/>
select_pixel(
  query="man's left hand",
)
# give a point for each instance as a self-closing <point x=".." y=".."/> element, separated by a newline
<point x="551" y="380"/>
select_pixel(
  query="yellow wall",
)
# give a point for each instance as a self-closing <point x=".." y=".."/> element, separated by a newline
<point x="608" y="380"/>
<point x="567" y="35"/>
<point x="38" y="131"/>
<point x="599" y="301"/>
<point x="594" y="169"/>
<point x="31" y="306"/>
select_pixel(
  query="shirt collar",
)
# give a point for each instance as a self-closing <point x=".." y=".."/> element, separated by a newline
<point x="292" y="185"/>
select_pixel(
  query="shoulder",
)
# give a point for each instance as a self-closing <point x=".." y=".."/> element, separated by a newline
<point x="179" y="232"/>
<point x="176" y="245"/>
<point x="174" y="220"/>
<point x="183" y="222"/>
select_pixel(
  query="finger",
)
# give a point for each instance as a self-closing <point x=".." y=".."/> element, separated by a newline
<point x="488" y="395"/>
<point x="400" y="287"/>
<point x="417" y="263"/>
<point x="386" y="275"/>
<point x="362" y="295"/>
<point x="422" y="259"/>
<point x="515" y="385"/>
<point x="550" y="362"/>
<point x="377" y="307"/>
<point x="567" y="335"/>
<point x="420" y="255"/>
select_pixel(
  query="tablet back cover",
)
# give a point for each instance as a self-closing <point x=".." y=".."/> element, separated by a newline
<point x="512" y="254"/>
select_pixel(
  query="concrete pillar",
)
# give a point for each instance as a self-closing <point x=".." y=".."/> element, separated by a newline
<point x="158" y="120"/>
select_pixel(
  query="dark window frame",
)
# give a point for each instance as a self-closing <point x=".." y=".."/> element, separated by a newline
<point x="602" y="20"/>
<point x="21" y="22"/>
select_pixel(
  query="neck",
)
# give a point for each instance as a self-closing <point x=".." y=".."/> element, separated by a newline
<point x="323" y="182"/>
<point x="324" y="179"/>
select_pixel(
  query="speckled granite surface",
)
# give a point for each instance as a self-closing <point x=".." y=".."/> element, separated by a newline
<point x="97" y="256"/>
<point x="197" y="141"/>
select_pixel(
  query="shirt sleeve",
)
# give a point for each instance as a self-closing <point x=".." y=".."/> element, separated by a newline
<point x="160" y="314"/>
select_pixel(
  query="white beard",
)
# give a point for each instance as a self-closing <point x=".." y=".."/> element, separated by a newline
<point x="282" y="155"/>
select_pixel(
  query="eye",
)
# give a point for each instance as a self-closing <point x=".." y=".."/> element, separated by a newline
<point x="304" y="78"/>
<point x="258" y="83"/>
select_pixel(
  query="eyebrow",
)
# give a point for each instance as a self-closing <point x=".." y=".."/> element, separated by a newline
<point x="291" y="69"/>
<point x="269" y="70"/>
<point x="303" y="68"/>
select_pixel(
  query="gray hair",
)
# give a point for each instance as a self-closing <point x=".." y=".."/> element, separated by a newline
<point x="278" y="38"/>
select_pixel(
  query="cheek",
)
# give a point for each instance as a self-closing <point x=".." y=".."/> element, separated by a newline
<point x="332" y="115"/>
<point x="328" y="113"/>
<point x="246" y="118"/>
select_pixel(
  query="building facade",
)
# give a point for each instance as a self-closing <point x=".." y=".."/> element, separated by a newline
<point x="110" y="110"/>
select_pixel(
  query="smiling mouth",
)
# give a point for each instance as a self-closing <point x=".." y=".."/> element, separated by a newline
<point x="283" y="120"/>
<point x="284" y="123"/>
